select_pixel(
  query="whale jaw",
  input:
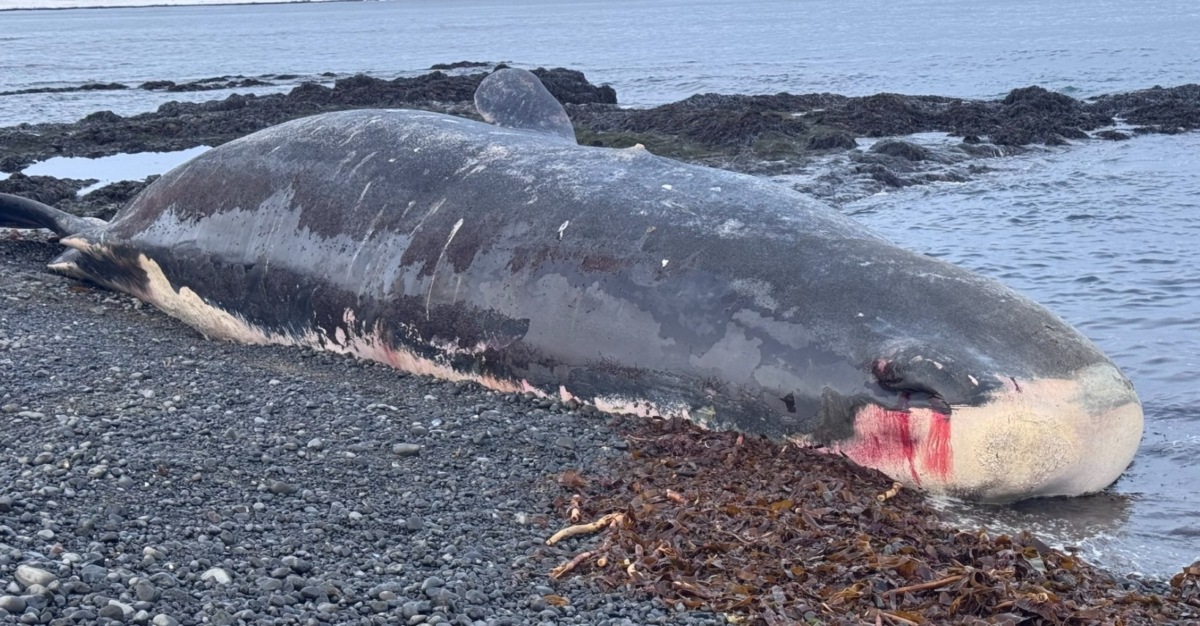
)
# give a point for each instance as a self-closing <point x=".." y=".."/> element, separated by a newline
<point x="1032" y="438"/>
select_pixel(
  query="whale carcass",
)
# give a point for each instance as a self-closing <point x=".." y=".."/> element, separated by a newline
<point x="507" y="254"/>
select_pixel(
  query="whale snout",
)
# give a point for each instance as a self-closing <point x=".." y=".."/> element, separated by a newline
<point x="1020" y="439"/>
<point x="1048" y="437"/>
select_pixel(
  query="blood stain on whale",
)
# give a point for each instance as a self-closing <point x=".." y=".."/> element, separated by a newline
<point x="886" y="438"/>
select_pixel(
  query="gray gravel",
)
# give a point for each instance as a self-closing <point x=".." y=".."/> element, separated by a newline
<point x="148" y="476"/>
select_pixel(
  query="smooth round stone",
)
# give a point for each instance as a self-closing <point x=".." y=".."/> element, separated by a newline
<point x="217" y="575"/>
<point x="406" y="449"/>
<point x="13" y="604"/>
<point x="28" y="575"/>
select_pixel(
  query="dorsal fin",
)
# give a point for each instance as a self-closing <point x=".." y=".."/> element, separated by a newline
<point x="515" y="98"/>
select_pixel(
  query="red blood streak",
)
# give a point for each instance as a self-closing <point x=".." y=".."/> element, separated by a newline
<point x="885" y="439"/>
<point x="937" y="445"/>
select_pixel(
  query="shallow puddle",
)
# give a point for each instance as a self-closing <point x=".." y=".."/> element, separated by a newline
<point x="111" y="169"/>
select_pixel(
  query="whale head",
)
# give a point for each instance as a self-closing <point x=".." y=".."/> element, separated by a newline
<point x="961" y="428"/>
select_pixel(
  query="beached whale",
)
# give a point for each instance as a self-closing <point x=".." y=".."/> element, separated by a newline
<point x="509" y="255"/>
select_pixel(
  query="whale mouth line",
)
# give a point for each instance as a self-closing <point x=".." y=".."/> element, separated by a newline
<point x="909" y="398"/>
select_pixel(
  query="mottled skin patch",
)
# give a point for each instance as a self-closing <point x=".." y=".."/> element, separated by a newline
<point x="521" y="260"/>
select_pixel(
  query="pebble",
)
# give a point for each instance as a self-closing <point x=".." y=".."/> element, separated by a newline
<point x="28" y="575"/>
<point x="279" y="487"/>
<point x="145" y="591"/>
<point x="217" y="575"/>
<point x="13" y="604"/>
<point x="406" y="449"/>
<point x="162" y="619"/>
<point x="153" y="552"/>
<point x="298" y="565"/>
<point x="93" y="574"/>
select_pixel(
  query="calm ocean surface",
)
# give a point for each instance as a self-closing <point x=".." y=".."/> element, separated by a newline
<point x="1103" y="233"/>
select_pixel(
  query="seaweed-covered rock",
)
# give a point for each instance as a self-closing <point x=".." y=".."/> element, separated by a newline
<point x="104" y="202"/>
<point x="759" y="134"/>
<point x="568" y="86"/>
<point x="1159" y="109"/>
<point x="1036" y="115"/>
<point x="44" y="189"/>
<point x="459" y="65"/>
<point x="363" y="90"/>
<point x="902" y="149"/>
<point x="832" y="141"/>
<point x="715" y="127"/>
<point x="182" y="125"/>
<point x="83" y="87"/>
<point x="572" y="87"/>
<point x="102" y="117"/>
<point x="1112" y="135"/>
<point x="884" y="115"/>
<point x="204" y="84"/>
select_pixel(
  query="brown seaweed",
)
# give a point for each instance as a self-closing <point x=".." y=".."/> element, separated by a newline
<point x="777" y="534"/>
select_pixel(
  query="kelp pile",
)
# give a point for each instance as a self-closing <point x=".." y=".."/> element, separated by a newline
<point x="771" y="534"/>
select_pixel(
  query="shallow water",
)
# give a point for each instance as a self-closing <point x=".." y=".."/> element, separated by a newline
<point x="651" y="51"/>
<point x="1102" y="233"/>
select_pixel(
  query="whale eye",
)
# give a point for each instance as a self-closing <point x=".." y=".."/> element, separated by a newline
<point x="935" y="379"/>
<point x="920" y="382"/>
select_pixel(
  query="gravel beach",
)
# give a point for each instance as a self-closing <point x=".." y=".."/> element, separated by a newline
<point x="150" y="476"/>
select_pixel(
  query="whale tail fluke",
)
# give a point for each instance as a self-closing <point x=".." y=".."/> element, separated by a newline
<point x="18" y="212"/>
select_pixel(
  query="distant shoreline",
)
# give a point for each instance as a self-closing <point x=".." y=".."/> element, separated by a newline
<point x="159" y="4"/>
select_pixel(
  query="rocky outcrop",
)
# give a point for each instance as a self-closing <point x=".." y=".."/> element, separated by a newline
<point x="763" y="134"/>
<point x="182" y="125"/>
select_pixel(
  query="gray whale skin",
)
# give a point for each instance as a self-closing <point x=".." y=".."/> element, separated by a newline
<point x="507" y="254"/>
